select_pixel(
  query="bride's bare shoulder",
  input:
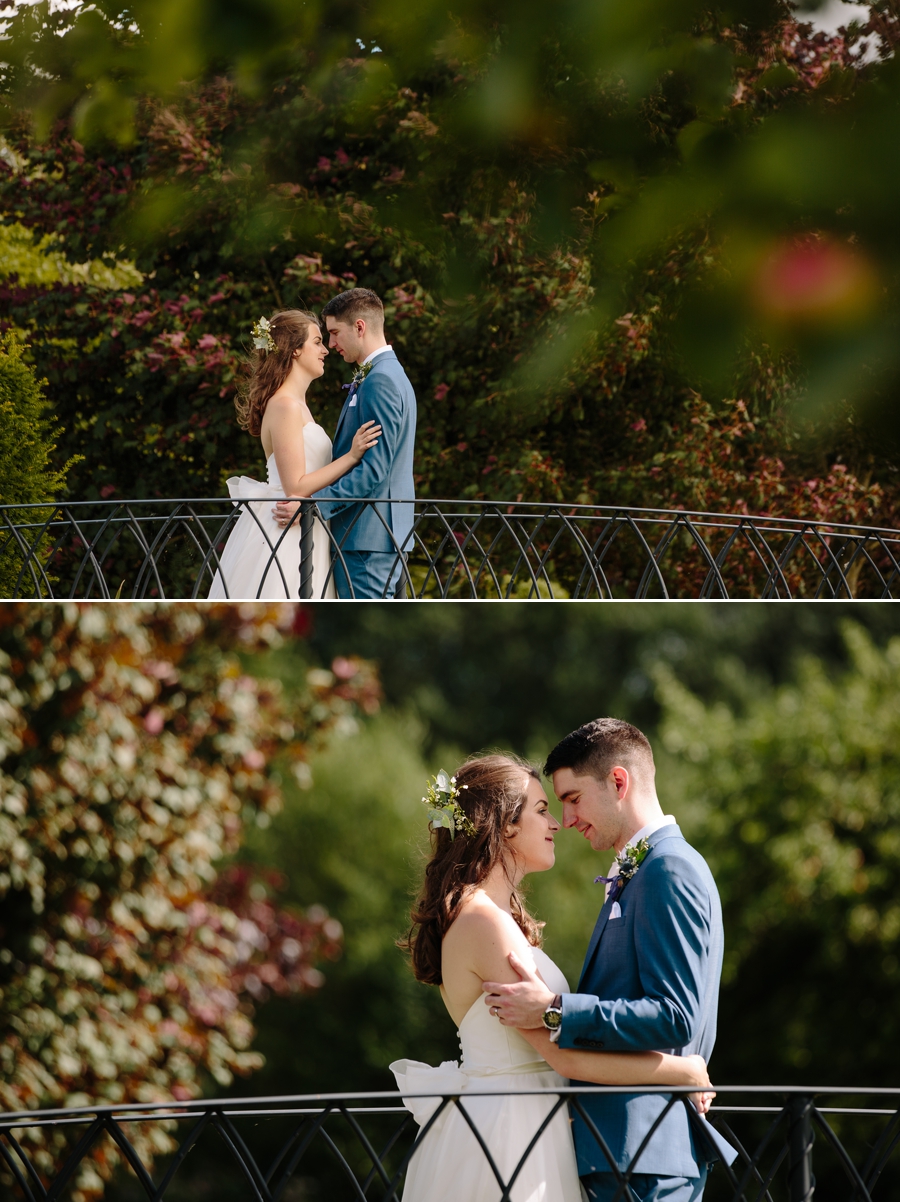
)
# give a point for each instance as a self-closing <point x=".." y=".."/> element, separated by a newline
<point x="481" y="919"/>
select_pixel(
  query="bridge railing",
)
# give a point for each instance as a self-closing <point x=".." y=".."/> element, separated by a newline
<point x="454" y="550"/>
<point x="792" y="1143"/>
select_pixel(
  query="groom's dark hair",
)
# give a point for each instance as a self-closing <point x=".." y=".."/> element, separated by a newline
<point x="599" y="746"/>
<point x="357" y="303"/>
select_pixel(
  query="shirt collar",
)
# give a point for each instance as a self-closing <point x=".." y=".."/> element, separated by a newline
<point x="650" y="829"/>
<point x="378" y="351"/>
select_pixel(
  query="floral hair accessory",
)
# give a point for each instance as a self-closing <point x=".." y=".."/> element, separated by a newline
<point x="262" y="335"/>
<point x="444" y="809"/>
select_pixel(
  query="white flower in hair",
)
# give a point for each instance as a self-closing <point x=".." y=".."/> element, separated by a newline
<point x="262" y="335"/>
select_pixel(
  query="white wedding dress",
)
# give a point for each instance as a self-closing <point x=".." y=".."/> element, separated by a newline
<point x="450" y="1166"/>
<point x="254" y="562"/>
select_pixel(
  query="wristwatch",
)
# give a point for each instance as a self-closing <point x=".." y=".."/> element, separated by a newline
<point x="552" y="1016"/>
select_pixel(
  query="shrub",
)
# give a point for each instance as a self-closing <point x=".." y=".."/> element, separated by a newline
<point x="27" y="443"/>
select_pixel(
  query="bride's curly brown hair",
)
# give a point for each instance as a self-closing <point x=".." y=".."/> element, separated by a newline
<point x="266" y="371"/>
<point x="492" y="792"/>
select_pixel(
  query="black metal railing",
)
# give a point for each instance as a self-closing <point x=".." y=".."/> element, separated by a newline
<point x="455" y="550"/>
<point x="792" y="1143"/>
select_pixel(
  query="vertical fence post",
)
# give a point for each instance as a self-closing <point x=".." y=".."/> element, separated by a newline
<point x="306" y="550"/>
<point x="801" y="1181"/>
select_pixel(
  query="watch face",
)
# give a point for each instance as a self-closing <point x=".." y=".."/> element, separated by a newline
<point x="552" y="1019"/>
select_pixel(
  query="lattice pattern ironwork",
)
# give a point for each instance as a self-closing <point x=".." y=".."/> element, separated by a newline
<point x="370" y="1139"/>
<point x="456" y="550"/>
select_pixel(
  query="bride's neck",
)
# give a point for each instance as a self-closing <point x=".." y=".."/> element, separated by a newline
<point x="296" y="384"/>
<point x="498" y="887"/>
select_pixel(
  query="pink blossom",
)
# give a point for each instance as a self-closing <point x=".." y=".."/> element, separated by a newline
<point x="441" y="391"/>
<point x="154" y="721"/>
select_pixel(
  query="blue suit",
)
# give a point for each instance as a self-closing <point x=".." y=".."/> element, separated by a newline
<point x="650" y="982"/>
<point x="369" y="536"/>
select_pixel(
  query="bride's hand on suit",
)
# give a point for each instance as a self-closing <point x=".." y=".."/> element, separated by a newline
<point x="364" y="439"/>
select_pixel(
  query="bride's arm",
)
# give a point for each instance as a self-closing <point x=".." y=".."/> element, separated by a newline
<point x="286" y="428"/>
<point x="619" y="1068"/>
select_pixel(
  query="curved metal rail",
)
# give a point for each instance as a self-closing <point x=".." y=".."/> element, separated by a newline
<point x="362" y="1144"/>
<point x="455" y="550"/>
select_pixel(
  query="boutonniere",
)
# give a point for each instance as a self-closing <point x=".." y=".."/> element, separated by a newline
<point x="632" y="858"/>
<point x="628" y="863"/>
<point x="360" y="374"/>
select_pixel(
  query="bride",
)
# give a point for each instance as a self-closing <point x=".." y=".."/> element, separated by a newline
<point x="261" y="559"/>
<point x="491" y="826"/>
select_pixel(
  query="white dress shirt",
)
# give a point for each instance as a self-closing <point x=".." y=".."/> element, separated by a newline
<point x="650" y="829"/>
<point x="378" y="351"/>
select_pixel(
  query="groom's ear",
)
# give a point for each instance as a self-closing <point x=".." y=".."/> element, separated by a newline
<point x="621" y="779"/>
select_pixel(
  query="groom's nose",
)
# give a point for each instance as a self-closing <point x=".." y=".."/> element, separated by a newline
<point x="568" y="813"/>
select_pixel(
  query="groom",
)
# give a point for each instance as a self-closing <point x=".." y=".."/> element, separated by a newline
<point x="370" y="537"/>
<point x="650" y="980"/>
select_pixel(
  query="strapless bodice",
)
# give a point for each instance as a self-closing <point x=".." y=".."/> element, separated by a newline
<point x="316" y="447"/>
<point x="490" y="1048"/>
<point x="490" y="1054"/>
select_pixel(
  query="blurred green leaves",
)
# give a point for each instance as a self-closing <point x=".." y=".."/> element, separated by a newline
<point x="794" y="797"/>
<point x="634" y="128"/>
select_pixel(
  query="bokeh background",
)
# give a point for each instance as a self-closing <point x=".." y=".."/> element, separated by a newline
<point x="212" y="829"/>
<point x="631" y="253"/>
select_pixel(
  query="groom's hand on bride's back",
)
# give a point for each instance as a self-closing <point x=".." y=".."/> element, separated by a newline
<point x="522" y="1004"/>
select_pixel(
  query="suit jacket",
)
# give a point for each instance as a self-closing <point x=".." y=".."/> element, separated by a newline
<point x="386" y="471"/>
<point x="650" y="982"/>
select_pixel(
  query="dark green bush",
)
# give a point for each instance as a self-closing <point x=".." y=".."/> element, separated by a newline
<point x="27" y="442"/>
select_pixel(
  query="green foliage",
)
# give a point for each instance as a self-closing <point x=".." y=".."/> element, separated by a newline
<point x="135" y="753"/>
<point x="353" y="838"/>
<point x="794" y="797"/>
<point x="28" y="440"/>
<point x="41" y="261"/>
<point x="25" y="433"/>
<point x="552" y="208"/>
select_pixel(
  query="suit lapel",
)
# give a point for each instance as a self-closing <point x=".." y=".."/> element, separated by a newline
<point x="386" y="355"/>
<point x="659" y="836"/>
<point x="599" y="927"/>
<point x="340" y="420"/>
